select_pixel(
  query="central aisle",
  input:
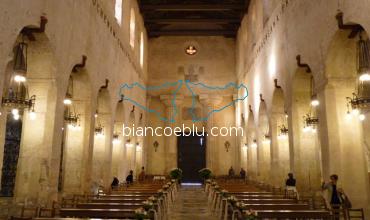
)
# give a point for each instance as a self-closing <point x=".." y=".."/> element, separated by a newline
<point x="191" y="204"/>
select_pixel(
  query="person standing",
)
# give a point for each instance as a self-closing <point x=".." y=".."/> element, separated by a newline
<point x="334" y="195"/>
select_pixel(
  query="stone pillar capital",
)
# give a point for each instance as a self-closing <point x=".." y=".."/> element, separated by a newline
<point x="210" y="100"/>
<point x="170" y="101"/>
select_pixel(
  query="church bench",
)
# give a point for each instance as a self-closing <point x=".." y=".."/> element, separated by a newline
<point x="268" y="201"/>
<point x="114" y="200"/>
<point x="278" y="206"/>
<point x="292" y="214"/>
<point x="124" y="196"/>
<point x="76" y="219"/>
<point x="109" y="205"/>
<point x="97" y="213"/>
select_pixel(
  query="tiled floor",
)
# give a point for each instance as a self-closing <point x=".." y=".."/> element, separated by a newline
<point x="191" y="204"/>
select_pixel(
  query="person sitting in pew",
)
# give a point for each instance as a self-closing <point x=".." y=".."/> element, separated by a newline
<point x="115" y="183"/>
<point x="130" y="178"/>
<point x="290" y="184"/>
<point x="231" y="172"/>
<point x="242" y="173"/>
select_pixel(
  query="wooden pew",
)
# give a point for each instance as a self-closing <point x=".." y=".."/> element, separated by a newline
<point x="278" y="206"/>
<point x="293" y="214"/>
<point x="97" y="213"/>
<point x="109" y="205"/>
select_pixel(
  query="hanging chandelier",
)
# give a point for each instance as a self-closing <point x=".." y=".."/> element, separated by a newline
<point x="99" y="130"/>
<point x="266" y="139"/>
<point x="70" y="116"/>
<point x="16" y="98"/>
<point x="72" y="119"/>
<point x="116" y="139"/>
<point x="310" y="120"/>
<point x="310" y="123"/>
<point x="283" y="134"/>
<point x="359" y="103"/>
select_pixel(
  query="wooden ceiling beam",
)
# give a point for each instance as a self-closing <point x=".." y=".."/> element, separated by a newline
<point x="192" y="32"/>
<point x="192" y="20"/>
<point x="192" y="7"/>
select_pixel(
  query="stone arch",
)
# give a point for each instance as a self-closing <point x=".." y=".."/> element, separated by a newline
<point x="252" y="146"/>
<point x="119" y="162"/>
<point x="32" y="137"/>
<point x="280" y="153"/>
<point x="264" y="142"/>
<point x="349" y="136"/>
<point x="103" y="127"/>
<point x="74" y="176"/>
<point x="305" y="146"/>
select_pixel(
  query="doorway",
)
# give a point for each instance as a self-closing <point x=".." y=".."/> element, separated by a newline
<point x="191" y="156"/>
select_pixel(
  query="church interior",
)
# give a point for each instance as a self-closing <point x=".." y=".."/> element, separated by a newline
<point x="185" y="109"/>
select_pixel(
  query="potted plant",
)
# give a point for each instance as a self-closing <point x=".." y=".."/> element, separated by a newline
<point x="205" y="173"/>
<point x="176" y="174"/>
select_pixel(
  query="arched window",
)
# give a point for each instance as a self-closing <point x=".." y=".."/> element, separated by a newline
<point x="118" y="11"/>
<point x="132" y="27"/>
<point x="141" y="49"/>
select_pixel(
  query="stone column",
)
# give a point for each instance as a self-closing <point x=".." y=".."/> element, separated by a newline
<point x="211" y="102"/>
<point x="170" y="142"/>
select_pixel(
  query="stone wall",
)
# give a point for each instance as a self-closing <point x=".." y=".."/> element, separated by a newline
<point x="267" y="50"/>
<point x="74" y="29"/>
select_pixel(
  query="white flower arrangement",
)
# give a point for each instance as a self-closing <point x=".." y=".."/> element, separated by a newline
<point x="147" y="205"/>
<point x="152" y="198"/>
<point x="173" y="181"/>
<point x="141" y="214"/>
<point x="209" y="181"/>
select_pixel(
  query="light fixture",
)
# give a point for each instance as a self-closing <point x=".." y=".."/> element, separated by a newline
<point x="191" y="50"/>
<point x="310" y="122"/>
<point x="266" y="139"/>
<point x="314" y="101"/>
<point x="67" y="101"/>
<point x="155" y="145"/>
<point x="16" y="96"/>
<point x="116" y="139"/>
<point x="227" y="146"/>
<point x="16" y="117"/>
<point x="99" y="130"/>
<point x="245" y="146"/>
<point x="254" y="144"/>
<point x="283" y="134"/>
<point x="361" y="117"/>
<point x="138" y="147"/>
<point x="19" y="78"/>
<point x="32" y="115"/>
<point x="128" y="143"/>
<point x="359" y="103"/>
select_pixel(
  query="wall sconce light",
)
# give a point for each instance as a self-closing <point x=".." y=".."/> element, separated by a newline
<point x="245" y="146"/>
<point x="138" y="147"/>
<point x="116" y="139"/>
<point x="128" y="143"/>
<point x="254" y="144"/>
<point x="227" y="146"/>
<point x="155" y="145"/>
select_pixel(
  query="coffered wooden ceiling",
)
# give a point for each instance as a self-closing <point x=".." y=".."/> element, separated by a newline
<point x="193" y="18"/>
